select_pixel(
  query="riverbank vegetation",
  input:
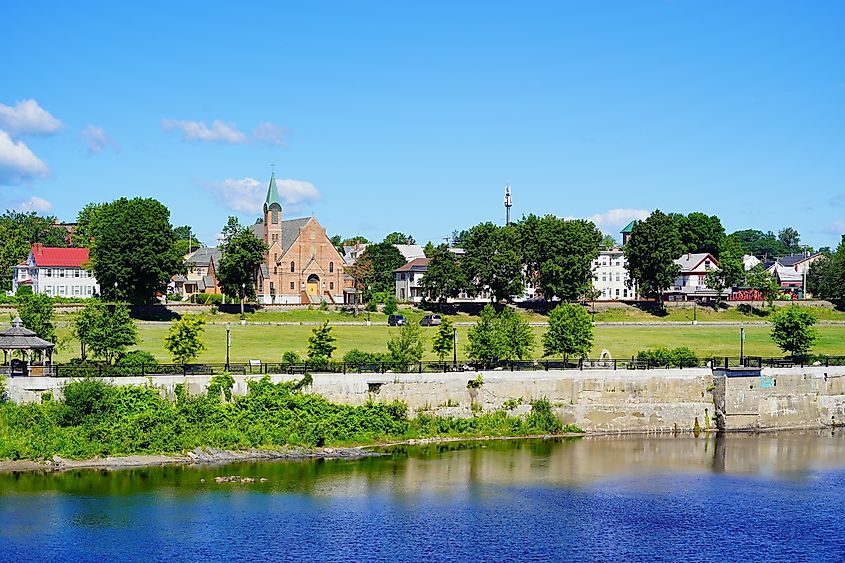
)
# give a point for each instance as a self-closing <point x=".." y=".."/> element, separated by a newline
<point x="96" y="418"/>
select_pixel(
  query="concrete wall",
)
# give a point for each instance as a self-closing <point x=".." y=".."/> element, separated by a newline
<point x="595" y="400"/>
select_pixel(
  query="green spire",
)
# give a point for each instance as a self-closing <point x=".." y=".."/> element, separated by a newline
<point x="272" y="193"/>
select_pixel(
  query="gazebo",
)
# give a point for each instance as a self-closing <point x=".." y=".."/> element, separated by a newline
<point x="18" y="337"/>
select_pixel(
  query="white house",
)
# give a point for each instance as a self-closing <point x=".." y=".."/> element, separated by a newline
<point x="690" y="283"/>
<point x="408" y="276"/>
<point x="610" y="276"/>
<point x="58" y="272"/>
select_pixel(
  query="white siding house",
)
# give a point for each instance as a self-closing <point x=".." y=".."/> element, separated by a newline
<point x="57" y="272"/>
<point x="610" y="276"/>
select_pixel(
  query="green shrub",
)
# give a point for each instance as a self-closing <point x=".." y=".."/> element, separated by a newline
<point x="541" y="419"/>
<point x="136" y="358"/>
<point x="85" y="398"/>
<point x="356" y="357"/>
<point x="291" y="358"/>
<point x="222" y="383"/>
<point x="677" y="357"/>
<point x="390" y="305"/>
<point x="207" y="298"/>
<point x="4" y="392"/>
<point x="23" y="290"/>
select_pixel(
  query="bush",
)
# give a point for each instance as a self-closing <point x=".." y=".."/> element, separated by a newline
<point x="85" y="399"/>
<point x="291" y="358"/>
<point x="23" y="290"/>
<point x="356" y="357"/>
<point x="390" y="305"/>
<point x="207" y="298"/>
<point x="174" y="297"/>
<point x="677" y="357"/>
<point x="541" y="419"/>
<point x="4" y="394"/>
<point x="136" y="358"/>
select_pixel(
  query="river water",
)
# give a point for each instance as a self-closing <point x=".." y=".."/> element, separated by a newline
<point x="771" y="497"/>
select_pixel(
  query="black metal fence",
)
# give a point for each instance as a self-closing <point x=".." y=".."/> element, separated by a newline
<point x="261" y="368"/>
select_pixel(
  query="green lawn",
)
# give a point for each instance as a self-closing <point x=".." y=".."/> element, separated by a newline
<point x="269" y="342"/>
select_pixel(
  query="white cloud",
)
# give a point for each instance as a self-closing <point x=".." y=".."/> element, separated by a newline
<point x="36" y="203"/>
<point x="247" y="194"/>
<point x="28" y="118"/>
<point x="97" y="139"/>
<point x="17" y="163"/>
<point x="198" y="131"/>
<point x="614" y="219"/>
<point x="269" y="134"/>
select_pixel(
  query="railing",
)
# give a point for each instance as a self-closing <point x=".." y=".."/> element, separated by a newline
<point x="582" y="364"/>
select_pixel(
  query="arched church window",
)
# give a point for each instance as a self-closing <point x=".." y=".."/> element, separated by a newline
<point x="331" y="267"/>
<point x="292" y="266"/>
<point x="274" y="216"/>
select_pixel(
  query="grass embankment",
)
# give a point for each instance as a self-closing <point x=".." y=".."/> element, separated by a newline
<point x="268" y="343"/>
<point x="98" y="419"/>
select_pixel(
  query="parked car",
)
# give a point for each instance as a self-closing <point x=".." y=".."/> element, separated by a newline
<point x="396" y="320"/>
<point x="430" y="320"/>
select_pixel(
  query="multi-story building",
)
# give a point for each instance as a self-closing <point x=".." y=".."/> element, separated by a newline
<point x="408" y="279"/>
<point x="201" y="273"/>
<point x="57" y="272"/>
<point x="610" y="276"/>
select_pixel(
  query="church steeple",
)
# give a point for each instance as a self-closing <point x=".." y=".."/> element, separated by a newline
<point x="272" y="194"/>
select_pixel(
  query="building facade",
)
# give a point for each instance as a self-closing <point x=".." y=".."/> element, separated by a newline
<point x="302" y="265"/>
<point x="201" y="274"/>
<point x="57" y="272"/>
<point x="610" y="276"/>
<point x="408" y="278"/>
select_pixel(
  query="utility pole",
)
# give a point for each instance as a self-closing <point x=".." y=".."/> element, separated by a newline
<point x="742" y="345"/>
<point x="454" y="346"/>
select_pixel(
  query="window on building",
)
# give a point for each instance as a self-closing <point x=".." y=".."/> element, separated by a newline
<point x="331" y="267"/>
<point x="617" y="276"/>
<point x="401" y="294"/>
<point x="48" y="272"/>
<point x="274" y="216"/>
<point x="625" y="292"/>
<point x="292" y="266"/>
<point x="291" y="285"/>
<point x="77" y="290"/>
<point x="617" y="293"/>
<point x="89" y="290"/>
<point x="331" y="285"/>
<point x="61" y="273"/>
<point x="272" y="289"/>
<point x="603" y="276"/>
<point x="61" y="290"/>
<point x="76" y="273"/>
<point x="48" y="289"/>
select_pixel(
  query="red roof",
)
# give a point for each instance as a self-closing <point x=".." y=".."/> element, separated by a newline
<point x="415" y="264"/>
<point x="68" y="257"/>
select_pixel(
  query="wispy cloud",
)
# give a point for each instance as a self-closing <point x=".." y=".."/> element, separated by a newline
<point x="838" y="200"/>
<point x="199" y="131"/>
<point x="836" y="229"/>
<point x="28" y="118"/>
<point x="36" y="203"/>
<point x="97" y="139"/>
<point x="617" y="218"/>
<point x="269" y="134"/>
<point x="17" y="163"/>
<point x="247" y="195"/>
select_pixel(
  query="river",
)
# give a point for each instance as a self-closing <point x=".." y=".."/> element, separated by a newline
<point x="768" y="497"/>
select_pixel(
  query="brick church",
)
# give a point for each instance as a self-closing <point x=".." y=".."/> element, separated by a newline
<point x="301" y="265"/>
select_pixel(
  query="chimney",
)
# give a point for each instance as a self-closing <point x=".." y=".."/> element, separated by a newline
<point x="39" y="250"/>
<point x="689" y="255"/>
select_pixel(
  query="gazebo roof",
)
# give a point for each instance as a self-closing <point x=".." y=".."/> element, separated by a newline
<point x="18" y="337"/>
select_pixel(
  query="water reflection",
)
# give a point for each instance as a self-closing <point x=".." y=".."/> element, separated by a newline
<point x="455" y="468"/>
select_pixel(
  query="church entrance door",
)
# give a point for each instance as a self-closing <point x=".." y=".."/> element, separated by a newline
<point x="313" y="285"/>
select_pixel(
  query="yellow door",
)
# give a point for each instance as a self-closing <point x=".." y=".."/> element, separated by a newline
<point x="313" y="285"/>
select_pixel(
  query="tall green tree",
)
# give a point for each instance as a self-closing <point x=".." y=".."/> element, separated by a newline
<point x="759" y="244"/>
<point x="651" y="253"/>
<point x="406" y="347"/>
<point x="321" y="343"/>
<point x="570" y="332"/>
<point x="243" y="254"/>
<point x="790" y="239"/>
<point x="133" y="246"/>
<point x="607" y="242"/>
<point x="398" y="238"/>
<point x="515" y="336"/>
<point x="700" y="232"/>
<point x="18" y="232"/>
<point x="444" y="339"/>
<point x="184" y="339"/>
<point x="561" y="253"/>
<point x="483" y="339"/>
<point x="792" y="330"/>
<point x="384" y="259"/>
<point x="492" y="261"/>
<point x="36" y="312"/>
<point x="444" y="278"/>
<point x="826" y="276"/>
<point x="86" y="222"/>
<point x="764" y="282"/>
<point x="104" y="330"/>
<point x="186" y="241"/>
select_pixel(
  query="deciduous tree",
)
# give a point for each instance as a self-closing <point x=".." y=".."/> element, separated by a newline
<point x="321" y="343"/>
<point x="444" y="339"/>
<point x="492" y="261"/>
<point x="133" y="245"/>
<point x="398" y="238"/>
<point x="18" y="232"/>
<point x="792" y="330"/>
<point x="764" y="283"/>
<point x="700" y="232"/>
<point x="384" y="259"/>
<point x="651" y="253"/>
<point x="104" y="330"/>
<point x="444" y="278"/>
<point x="184" y="339"/>
<point x="406" y="347"/>
<point x="570" y="332"/>
<point x="36" y="312"/>
<point x="243" y="254"/>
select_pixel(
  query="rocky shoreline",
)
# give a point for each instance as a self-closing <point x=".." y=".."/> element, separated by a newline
<point x="198" y="456"/>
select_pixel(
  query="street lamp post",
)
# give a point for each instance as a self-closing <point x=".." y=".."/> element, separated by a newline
<point x="455" y="346"/>
<point x="115" y="290"/>
<point x="694" y="312"/>
<point x="742" y="345"/>
<point x="243" y="293"/>
<point x="228" y="342"/>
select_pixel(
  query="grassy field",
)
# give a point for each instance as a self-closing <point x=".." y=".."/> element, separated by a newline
<point x="269" y="342"/>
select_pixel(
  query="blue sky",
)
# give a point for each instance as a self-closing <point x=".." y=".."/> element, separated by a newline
<point x="384" y="116"/>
